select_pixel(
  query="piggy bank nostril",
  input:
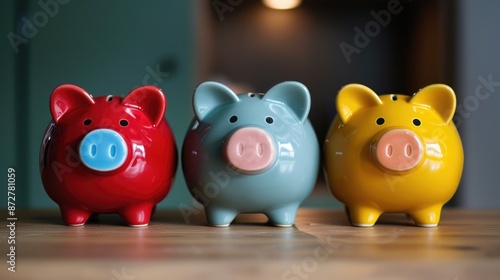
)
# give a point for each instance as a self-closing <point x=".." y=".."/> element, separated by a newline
<point x="408" y="150"/>
<point x="112" y="151"/>
<point x="239" y="149"/>
<point x="93" y="150"/>
<point x="389" y="150"/>
<point x="259" y="149"/>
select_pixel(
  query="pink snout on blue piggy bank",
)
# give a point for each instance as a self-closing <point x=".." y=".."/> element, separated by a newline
<point x="251" y="152"/>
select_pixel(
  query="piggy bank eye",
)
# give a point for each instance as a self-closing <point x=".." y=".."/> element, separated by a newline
<point x="87" y="122"/>
<point x="233" y="119"/>
<point x="380" y="121"/>
<point x="123" y="122"/>
<point x="269" y="120"/>
<point x="417" y="122"/>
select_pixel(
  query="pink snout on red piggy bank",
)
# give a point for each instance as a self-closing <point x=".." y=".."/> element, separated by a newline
<point x="107" y="154"/>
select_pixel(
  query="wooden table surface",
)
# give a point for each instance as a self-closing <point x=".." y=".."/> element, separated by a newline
<point x="321" y="245"/>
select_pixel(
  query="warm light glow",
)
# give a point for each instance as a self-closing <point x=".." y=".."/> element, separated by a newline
<point x="282" y="4"/>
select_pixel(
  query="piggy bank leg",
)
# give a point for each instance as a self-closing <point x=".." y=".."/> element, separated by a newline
<point x="137" y="215"/>
<point x="363" y="216"/>
<point x="220" y="217"/>
<point x="427" y="217"/>
<point x="74" y="216"/>
<point x="283" y="216"/>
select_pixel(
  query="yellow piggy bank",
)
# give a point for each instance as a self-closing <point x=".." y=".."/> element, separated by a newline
<point x="393" y="153"/>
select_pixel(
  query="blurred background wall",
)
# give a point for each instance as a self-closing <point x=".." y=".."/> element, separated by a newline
<point x="110" y="47"/>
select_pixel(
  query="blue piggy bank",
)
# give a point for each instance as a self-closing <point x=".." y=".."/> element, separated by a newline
<point x="251" y="153"/>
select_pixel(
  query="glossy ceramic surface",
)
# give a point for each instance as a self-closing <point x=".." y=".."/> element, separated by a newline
<point x="394" y="153"/>
<point x="251" y="153"/>
<point x="107" y="154"/>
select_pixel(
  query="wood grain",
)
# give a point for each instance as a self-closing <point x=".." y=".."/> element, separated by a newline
<point x="321" y="245"/>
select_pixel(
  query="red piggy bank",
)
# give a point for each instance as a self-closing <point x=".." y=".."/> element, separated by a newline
<point x="107" y="154"/>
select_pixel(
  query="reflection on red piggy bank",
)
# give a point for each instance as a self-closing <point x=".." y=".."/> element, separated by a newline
<point x="107" y="154"/>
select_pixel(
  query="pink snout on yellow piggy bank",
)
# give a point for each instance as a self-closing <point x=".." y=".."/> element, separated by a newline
<point x="394" y="153"/>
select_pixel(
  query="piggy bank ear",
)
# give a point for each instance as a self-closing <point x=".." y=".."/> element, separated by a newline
<point x="150" y="100"/>
<point x="67" y="97"/>
<point x="293" y="95"/>
<point x="439" y="98"/>
<point x="211" y="95"/>
<point x="352" y="98"/>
